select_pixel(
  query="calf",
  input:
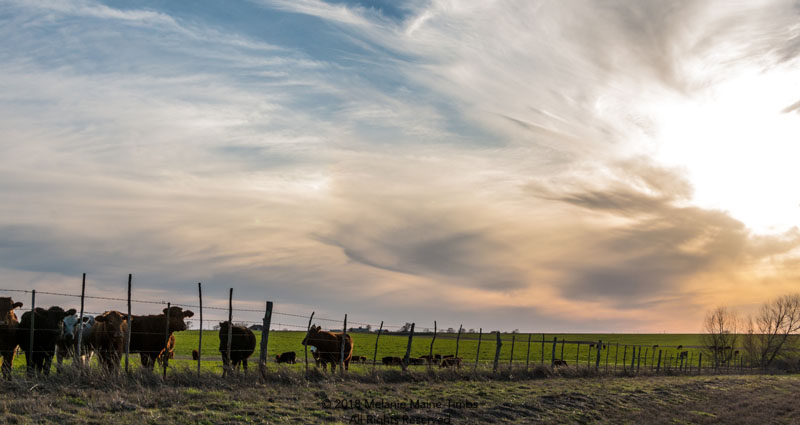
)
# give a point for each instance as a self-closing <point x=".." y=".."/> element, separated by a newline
<point x="48" y="328"/>
<point x="451" y="361"/>
<point x="329" y="345"/>
<point x="66" y="346"/>
<point x="8" y="333"/>
<point x="287" y="357"/>
<point x="243" y="344"/>
<point x="417" y="361"/>
<point x="107" y="338"/>
<point x="149" y="334"/>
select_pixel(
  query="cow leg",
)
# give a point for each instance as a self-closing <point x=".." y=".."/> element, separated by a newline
<point x="8" y="362"/>
<point x="347" y="364"/>
<point x="333" y="368"/>
<point x="244" y="365"/>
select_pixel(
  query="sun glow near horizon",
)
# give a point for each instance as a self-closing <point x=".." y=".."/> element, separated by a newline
<point x="739" y="142"/>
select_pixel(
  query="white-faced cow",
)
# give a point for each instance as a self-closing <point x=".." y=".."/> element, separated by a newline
<point x="329" y="345"/>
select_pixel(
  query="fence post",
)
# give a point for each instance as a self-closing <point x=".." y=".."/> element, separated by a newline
<point x="458" y="339"/>
<point x="166" y="344"/>
<point x="430" y="362"/>
<point x="624" y="357"/>
<point x="375" y="356"/>
<point x="553" y="357"/>
<point x="638" y="358"/>
<point x="308" y="329"/>
<point x="658" y="368"/>
<point x="608" y="350"/>
<point x="80" y="321"/>
<point x="511" y="357"/>
<point x="200" y="340"/>
<point x="528" y="356"/>
<point x="633" y="359"/>
<point x="29" y="355"/>
<point x="578" y="354"/>
<point x="227" y="367"/>
<point x="344" y="343"/>
<point x="478" y="353"/>
<point x="265" y="339"/>
<point x="408" y="348"/>
<point x="542" y="349"/>
<point x="599" y="347"/>
<point x="700" y="363"/>
<point x="130" y="325"/>
<point x="616" y="353"/>
<point x="497" y="352"/>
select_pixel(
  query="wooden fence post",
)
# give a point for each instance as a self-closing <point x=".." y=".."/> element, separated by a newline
<point x="227" y="367"/>
<point x="542" y="349"/>
<point x="130" y="325"/>
<point x="553" y="357"/>
<point x="608" y="350"/>
<point x="658" y="367"/>
<point x="478" y="353"/>
<point x="624" y="357"/>
<point x="430" y="362"/>
<point x="344" y="342"/>
<point x="633" y="358"/>
<point x="262" y="360"/>
<point x="616" y="353"/>
<point x="497" y="352"/>
<point x="166" y="344"/>
<point x="375" y="355"/>
<point x="528" y="355"/>
<point x="80" y="321"/>
<point x="577" y="354"/>
<point x="29" y="355"/>
<point x="458" y="339"/>
<point x="511" y="357"/>
<point x="407" y="357"/>
<point x="200" y="339"/>
<point x="599" y="347"/>
<point x="638" y="358"/>
<point x="700" y="363"/>
<point x="308" y="329"/>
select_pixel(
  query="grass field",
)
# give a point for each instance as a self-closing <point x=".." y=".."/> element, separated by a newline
<point x="395" y="345"/>
<point x="211" y="400"/>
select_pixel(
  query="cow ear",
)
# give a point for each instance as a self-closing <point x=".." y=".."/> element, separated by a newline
<point x="85" y="319"/>
<point x="70" y="312"/>
<point x="188" y="313"/>
<point x="221" y="325"/>
<point x="164" y="311"/>
<point x="100" y="319"/>
<point x="16" y="305"/>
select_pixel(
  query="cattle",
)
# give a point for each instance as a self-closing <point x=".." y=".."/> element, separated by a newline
<point x="315" y="355"/>
<point x="168" y="352"/>
<point x="451" y="362"/>
<point x="287" y="357"/>
<point x="195" y="355"/>
<point x="65" y="347"/>
<point x="243" y="344"/>
<point x="48" y="328"/>
<point x="430" y="359"/>
<point x="8" y="333"/>
<point x="392" y="361"/>
<point x="417" y="361"/>
<point x="329" y="345"/>
<point x="559" y="363"/>
<point x="683" y="354"/>
<point x="107" y="338"/>
<point x="149" y="333"/>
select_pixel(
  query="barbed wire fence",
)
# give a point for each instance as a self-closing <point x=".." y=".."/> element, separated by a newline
<point x="553" y="351"/>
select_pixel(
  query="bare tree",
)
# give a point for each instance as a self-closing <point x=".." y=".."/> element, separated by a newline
<point x="720" y="337"/>
<point x="768" y="333"/>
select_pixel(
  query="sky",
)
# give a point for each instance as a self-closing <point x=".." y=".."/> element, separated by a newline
<point x="548" y="166"/>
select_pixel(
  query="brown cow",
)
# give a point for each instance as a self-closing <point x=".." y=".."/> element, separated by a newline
<point x="169" y="352"/>
<point x="107" y="338"/>
<point x="148" y="337"/>
<point x="8" y="333"/>
<point x="243" y="344"/>
<point x="392" y="361"/>
<point x="329" y="346"/>
<point x="451" y="361"/>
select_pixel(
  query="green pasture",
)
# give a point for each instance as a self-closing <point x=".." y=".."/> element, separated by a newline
<point x="395" y="345"/>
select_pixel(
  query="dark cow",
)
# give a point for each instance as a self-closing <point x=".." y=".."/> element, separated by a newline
<point x="195" y="355"/>
<point x="148" y="333"/>
<point x="48" y="328"/>
<point x="392" y="361"/>
<point x="451" y="362"/>
<point x="107" y="338"/>
<point x="417" y="361"/>
<point x="329" y="346"/>
<point x="8" y="333"/>
<point x="243" y="344"/>
<point x="288" y="357"/>
<point x="360" y="359"/>
<point x="559" y="363"/>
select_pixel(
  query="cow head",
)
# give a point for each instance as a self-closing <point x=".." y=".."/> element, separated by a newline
<point x="176" y="318"/>
<point x="115" y="323"/>
<point x="52" y="319"/>
<point x="7" y="315"/>
<point x="313" y="333"/>
<point x="68" y="334"/>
